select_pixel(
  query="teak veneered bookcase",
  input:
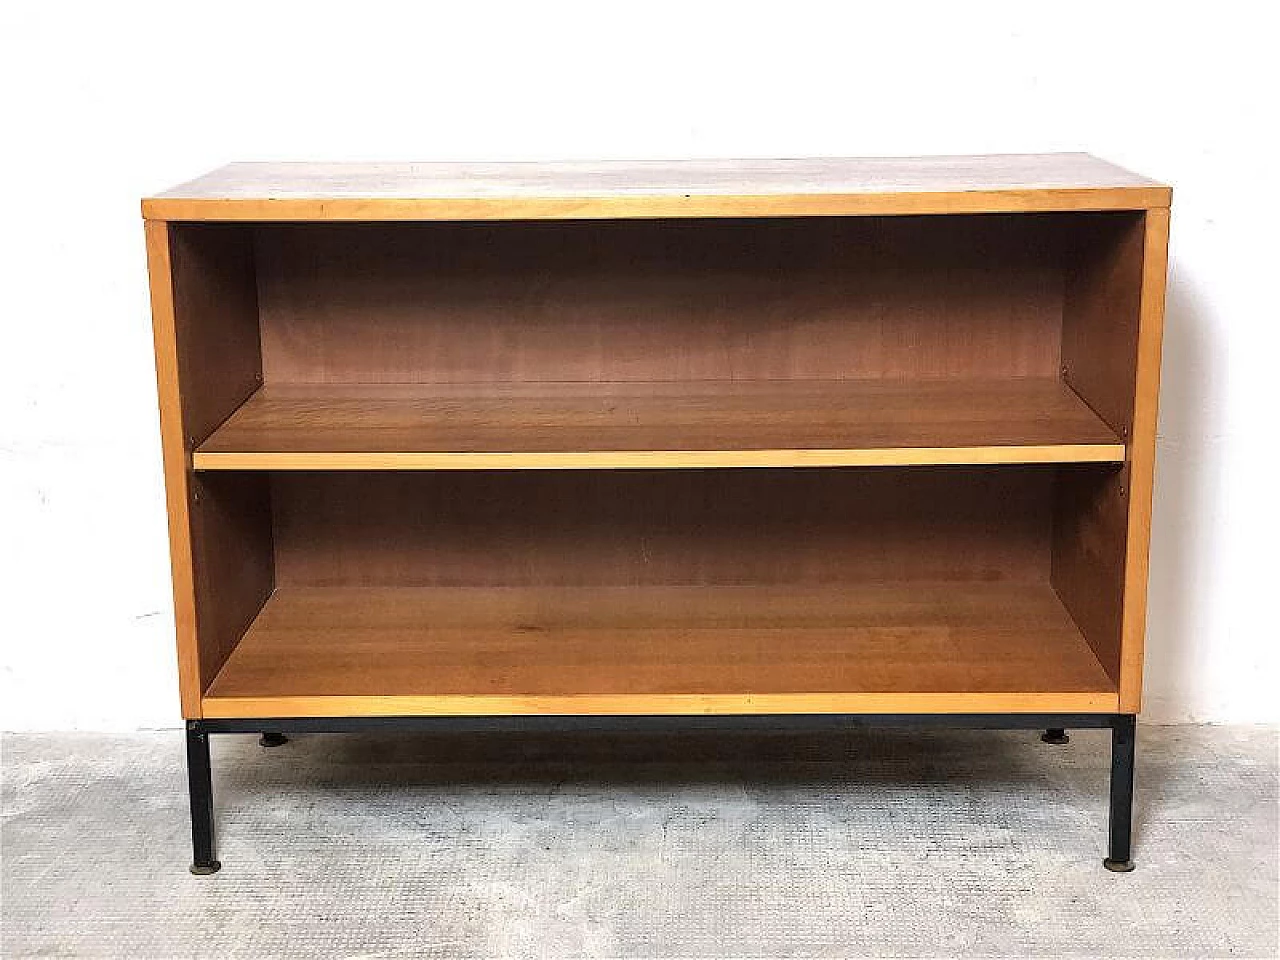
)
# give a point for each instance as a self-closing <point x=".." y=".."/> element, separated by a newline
<point x="761" y="443"/>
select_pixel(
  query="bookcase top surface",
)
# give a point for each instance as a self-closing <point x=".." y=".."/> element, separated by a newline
<point x="657" y="188"/>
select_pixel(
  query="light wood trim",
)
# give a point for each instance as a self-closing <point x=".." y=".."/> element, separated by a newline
<point x="1142" y="455"/>
<point x="176" y="464"/>
<point x="674" y="705"/>
<point x="653" y="207"/>
<point x="665" y="459"/>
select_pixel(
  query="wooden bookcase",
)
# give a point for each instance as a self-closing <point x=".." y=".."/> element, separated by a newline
<point x="869" y="439"/>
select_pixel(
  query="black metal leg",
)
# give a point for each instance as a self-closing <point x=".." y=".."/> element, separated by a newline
<point x="200" y="784"/>
<point x="272" y="738"/>
<point x="1121" y="831"/>
<point x="1055" y="735"/>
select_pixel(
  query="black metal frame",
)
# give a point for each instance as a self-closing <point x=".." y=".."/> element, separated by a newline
<point x="1122" y="726"/>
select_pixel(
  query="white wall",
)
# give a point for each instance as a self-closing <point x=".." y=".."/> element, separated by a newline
<point x="103" y="105"/>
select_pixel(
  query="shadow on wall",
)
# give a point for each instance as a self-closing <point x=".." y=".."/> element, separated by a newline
<point x="1185" y="527"/>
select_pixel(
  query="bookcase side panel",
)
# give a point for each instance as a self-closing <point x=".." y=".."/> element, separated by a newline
<point x="1142" y="456"/>
<point x="216" y="323"/>
<point x="1101" y="314"/>
<point x="1110" y="355"/>
<point x="177" y="464"/>
<point x="1088" y="548"/>
<point x="224" y="522"/>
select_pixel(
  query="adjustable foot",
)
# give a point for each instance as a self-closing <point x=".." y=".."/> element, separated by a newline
<point x="1055" y="736"/>
<point x="200" y="786"/>
<point x="1120" y="834"/>
<point x="272" y="739"/>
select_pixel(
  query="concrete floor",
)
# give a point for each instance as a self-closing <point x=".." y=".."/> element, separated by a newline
<point x="876" y="843"/>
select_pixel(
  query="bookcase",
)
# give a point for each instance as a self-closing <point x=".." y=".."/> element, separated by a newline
<point x="747" y="443"/>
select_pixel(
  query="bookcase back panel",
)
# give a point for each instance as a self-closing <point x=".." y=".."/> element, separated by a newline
<point x="661" y="527"/>
<point x="827" y="298"/>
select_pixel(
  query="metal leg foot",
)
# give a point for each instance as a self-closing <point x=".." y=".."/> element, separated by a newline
<point x="1120" y="834"/>
<point x="272" y="739"/>
<point x="200" y="785"/>
<point x="1055" y="736"/>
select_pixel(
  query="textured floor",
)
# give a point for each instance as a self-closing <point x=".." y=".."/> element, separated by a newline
<point x="877" y="843"/>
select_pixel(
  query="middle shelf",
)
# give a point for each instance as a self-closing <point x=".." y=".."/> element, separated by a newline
<point x="688" y="424"/>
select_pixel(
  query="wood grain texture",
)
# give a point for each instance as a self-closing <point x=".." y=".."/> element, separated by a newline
<point x="1101" y="315"/>
<point x="693" y="527"/>
<point x="1112" y="322"/>
<point x="616" y="425"/>
<point x="864" y="648"/>
<point x="909" y="298"/>
<point x="234" y="560"/>
<point x="667" y="459"/>
<point x="1100" y="327"/>
<point x="778" y="314"/>
<point x="657" y="425"/>
<point x="1142" y="457"/>
<point x="204" y="302"/>
<point x="1088" y="555"/>
<point x="686" y="188"/>
<point x="216" y="316"/>
<point x="176" y="465"/>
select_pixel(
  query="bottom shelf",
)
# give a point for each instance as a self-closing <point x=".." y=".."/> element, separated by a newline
<point x="836" y="648"/>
